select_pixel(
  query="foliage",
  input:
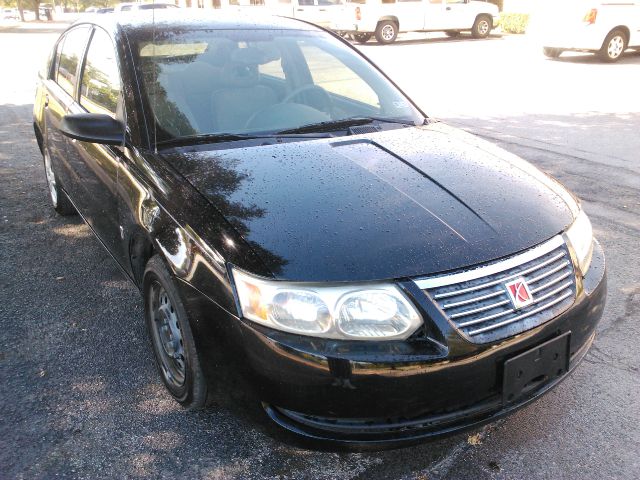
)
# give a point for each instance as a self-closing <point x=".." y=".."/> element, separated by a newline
<point x="514" y="22"/>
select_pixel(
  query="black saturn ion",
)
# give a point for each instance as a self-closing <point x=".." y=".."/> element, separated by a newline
<point x="296" y="224"/>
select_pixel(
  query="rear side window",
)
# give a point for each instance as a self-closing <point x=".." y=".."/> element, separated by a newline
<point x="100" y="87"/>
<point x="70" y="48"/>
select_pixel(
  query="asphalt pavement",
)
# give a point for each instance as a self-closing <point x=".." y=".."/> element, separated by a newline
<point x="79" y="395"/>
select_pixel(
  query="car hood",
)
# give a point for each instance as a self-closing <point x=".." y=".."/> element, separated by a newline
<point x="399" y="203"/>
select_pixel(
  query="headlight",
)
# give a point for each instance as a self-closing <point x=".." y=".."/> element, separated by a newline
<point x="580" y="236"/>
<point x="355" y="312"/>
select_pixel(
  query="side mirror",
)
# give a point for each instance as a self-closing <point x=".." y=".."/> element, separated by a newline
<point x="93" y="128"/>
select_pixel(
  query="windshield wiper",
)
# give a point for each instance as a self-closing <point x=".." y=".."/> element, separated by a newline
<point x="209" y="138"/>
<point x="342" y="124"/>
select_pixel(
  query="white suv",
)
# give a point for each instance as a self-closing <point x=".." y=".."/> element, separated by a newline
<point x="386" y="18"/>
<point x="605" y="28"/>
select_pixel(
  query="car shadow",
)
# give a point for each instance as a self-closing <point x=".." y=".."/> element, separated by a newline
<point x="630" y="57"/>
<point x="429" y="40"/>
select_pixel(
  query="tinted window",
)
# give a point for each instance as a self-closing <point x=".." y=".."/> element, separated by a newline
<point x="73" y="45"/>
<point x="100" y="87"/>
<point x="225" y="81"/>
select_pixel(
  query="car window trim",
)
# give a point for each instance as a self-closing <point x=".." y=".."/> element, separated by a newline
<point x="62" y="39"/>
<point x="120" y="105"/>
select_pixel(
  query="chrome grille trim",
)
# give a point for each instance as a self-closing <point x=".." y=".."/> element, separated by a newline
<point x="532" y="254"/>
<point x="502" y="280"/>
<point x="520" y="317"/>
<point x="478" y="304"/>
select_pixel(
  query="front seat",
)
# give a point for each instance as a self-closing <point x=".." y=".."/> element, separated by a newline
<point x="242" y="96"/>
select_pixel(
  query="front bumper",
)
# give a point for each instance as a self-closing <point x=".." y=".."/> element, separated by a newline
<point x="386" y="394"/>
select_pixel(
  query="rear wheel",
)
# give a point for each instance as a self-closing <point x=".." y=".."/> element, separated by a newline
<point x="362" y="37"/>
<point x="59" y="200"/>
<point x="452" y="33"/>
<point x="551" y="52"/>
<point x="386" y="32"/>
<point x="171" y="337"/>
<point x="482" y="26"/>
<point x="613" y="46"/>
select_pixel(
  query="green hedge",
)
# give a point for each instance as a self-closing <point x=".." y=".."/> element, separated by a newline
<point x="514" y="22"/>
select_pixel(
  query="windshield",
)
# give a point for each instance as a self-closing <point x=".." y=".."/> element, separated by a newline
<point x="244" y="82"/>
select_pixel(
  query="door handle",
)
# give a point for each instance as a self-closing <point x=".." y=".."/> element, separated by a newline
<point x="448" y="8"/>
<point x="322" y="10"/>
<point x="301" y="9"/>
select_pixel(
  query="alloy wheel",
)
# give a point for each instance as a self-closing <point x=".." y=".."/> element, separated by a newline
<point x="51" y="179"/>
<point x="615" y="47"/>
<point x="388" y="33"/>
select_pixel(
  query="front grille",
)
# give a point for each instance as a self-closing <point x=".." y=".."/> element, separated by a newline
<point x="477" y="302"/>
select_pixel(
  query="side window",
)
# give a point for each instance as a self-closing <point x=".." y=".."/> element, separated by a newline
<point x="328" y="72"/>
<point x="71" y="48"/>
<point x="100" y="87"/>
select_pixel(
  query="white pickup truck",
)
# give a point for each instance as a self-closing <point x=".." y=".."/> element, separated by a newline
<point x="319" y="12"/>
<point x="607" y="28"/>
<point x="386" y="18"/>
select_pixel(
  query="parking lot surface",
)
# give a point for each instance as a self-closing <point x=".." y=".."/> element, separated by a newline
<point x="79" y="395"/>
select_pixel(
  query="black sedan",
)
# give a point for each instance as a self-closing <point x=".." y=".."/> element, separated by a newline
<point x="299" y="230"/>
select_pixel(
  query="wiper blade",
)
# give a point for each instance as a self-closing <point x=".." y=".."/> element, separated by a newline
<point x="209" y="138"/>
<point x="342" y="124"/>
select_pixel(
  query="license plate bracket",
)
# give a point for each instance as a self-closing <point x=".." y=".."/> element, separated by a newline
<point x="535" y="367"/>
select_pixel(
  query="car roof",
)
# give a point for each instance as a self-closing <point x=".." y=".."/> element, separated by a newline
<point x="183" y="19"/>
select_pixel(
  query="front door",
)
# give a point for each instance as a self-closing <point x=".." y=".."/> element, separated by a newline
<point x="97" y="165"/>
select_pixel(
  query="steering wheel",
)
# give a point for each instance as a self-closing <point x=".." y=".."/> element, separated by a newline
<point x="327" y="106"/>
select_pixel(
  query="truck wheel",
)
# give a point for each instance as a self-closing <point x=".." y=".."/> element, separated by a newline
<point x="362" y="37"/>
<point x="551" y="52"/>
<point x="452" y="33"/>
<point x="386" y="32"/>
<point x="482" y="26"/>
<point x="613" y="46"/>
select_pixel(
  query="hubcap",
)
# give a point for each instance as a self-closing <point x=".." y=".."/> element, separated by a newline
<point x="483" y="27"/>
<point x="388" y="32"/>
<point x="51" y="179"/>
<point x="616" y="46"/>
<point x="168" y="337"/>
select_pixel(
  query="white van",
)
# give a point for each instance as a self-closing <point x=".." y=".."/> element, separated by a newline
<point x="318" y="12"/>
<point x="386" y="18"/>
<point x="605" y="28"/>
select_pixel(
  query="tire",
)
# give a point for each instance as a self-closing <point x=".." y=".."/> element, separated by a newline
<point x="613" y="46"/>
<point x="362" y="37"/>
<point x="482" y="26"/>
<point x="171" y="337"/>
<point x="551" y="52"/>
<point x="59" y="200"/>
<point x="452" y="33"/>
<point x="386" y="32"/>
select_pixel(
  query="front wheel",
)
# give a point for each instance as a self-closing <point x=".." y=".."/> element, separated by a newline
<point x="613" y="46"/>
<point x="551" y="52"/>
<point x="59" y="200"/>
<point x="362" y="37"/>
<point x="386" y="32"/>
<point x="482" y="27"/>
<point x="171" y="337"/>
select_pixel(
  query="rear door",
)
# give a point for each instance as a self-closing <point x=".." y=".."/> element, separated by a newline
<point x="434" y="15"/>
<point x="60" y="93"/>
<point x="97" y="165"/>
<point x="457" y="15"/>
<point x="318" y="12"/>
